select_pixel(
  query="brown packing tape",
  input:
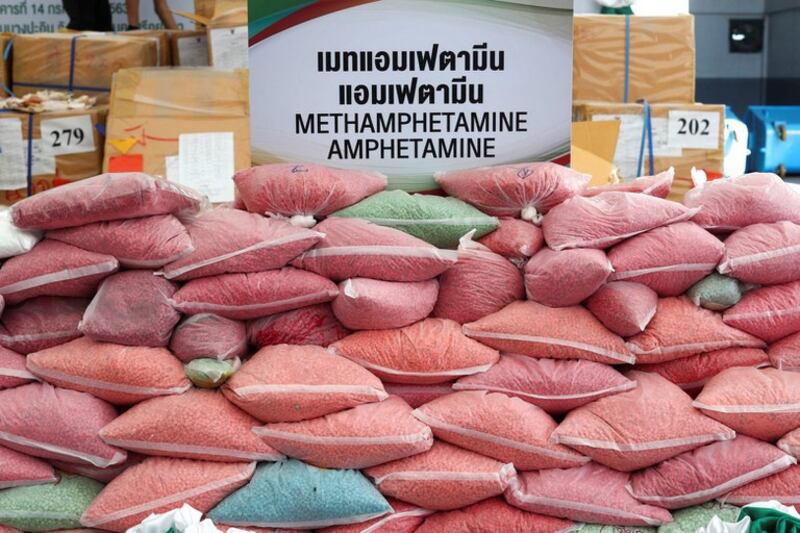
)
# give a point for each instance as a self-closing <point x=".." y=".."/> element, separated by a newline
<point x="661" y="58"/>
<point x="42" y="61"/>
<point x="69" y="168"/>
<point x="707" y="159"/>
<point x="155" y="106"/>
<point x="162" y="40"/>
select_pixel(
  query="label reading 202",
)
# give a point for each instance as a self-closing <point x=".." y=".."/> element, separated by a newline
<point x="68" y="135"/>
<point x="694" y="129"/>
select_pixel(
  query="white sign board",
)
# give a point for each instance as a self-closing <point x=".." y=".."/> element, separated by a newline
<point x="29" y="16"/>
<point x="411" y="87"/>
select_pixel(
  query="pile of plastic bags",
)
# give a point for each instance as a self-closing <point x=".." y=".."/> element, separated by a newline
<point x="524" y="355"/>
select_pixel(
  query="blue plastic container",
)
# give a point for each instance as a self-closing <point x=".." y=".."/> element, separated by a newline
<point x="774" y="139"/>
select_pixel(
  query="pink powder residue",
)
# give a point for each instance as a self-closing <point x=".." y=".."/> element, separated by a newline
<point x="526" y="190"/>
<point x="354" y="248"/>
<point x="691" y="373"/>
<point x="761" y="402"/>
<point x="734" y="203"/>
<point x="491" y="516"/>
<point x="149" y="242"/>
<point x="514" y="239"/>
<point x="533" y="329"/>
<point x="607" y="219"/>
<point x="406" y="518"/>
<point x="207" y="335"/>
<point x="668" y="259"/>
<point x="143" y="490"/>
<point x="230" y="241"/>
<point x="763" y="254"/>
<point x="781" y="487"/>
<point x="417" y="395"/>
<point x="364" y="436"/>
<point x="479" y="284"/>
<point x="104" y="197"/>
<point x="680" y="329"/>
<point x="118" y="374"/>
<point x="640" y="427"/>
<point x="658" y="185"/>
<point x="498" y="426"/>
<point x="443" y="478"/>
<point x="304" y="189"/>
<point x="41" y="323"/>
<point x="785" y="353"/>
<point x="291" y="383"/>
<point x="198" y="424"/>
<point x="431" y="351"/>
<point x="554" y="385"/>
<point x="132" y="308"/>
<point x="374" y="304"/>
<point x="13" y="372"/>
<point x="53" y="268"/>
<point x="769" y="313"/>
<point x="707" y="473"/>
<point x="313" y="324"/>
<point x="624" y="307"/>
<point x="67" y="424"/>
<point x="590" y="493"/>
<point x="561" y="279"/>
<point x="21" y="470"/>
<point x="244" y="296"/>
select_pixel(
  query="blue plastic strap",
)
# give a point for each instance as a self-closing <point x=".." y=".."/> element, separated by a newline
<point x="647" y="136"/>
<point x="627" y="57"/>
<point x="72" y="53"/>
<point x="6" y="56"/>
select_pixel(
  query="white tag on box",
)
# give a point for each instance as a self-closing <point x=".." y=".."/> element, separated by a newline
<point x="694" y="129"/>
<point x="172" y="168"/>
<point x="626" y="155"/>
<point x="13" y="163"/>
<point x="43" y="162"/>
<point x="206" y="163"/>
<point x="68" y="135"/>
<point x="193" y="51"/>
<point x="229" y="48"/>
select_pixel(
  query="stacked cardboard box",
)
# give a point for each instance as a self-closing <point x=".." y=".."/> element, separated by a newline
<point x="43" y="150"/>
<point x="621" y="62"/>
<point x="77" y="62"/>
<point x="157" y="115"/>
<point x="225" y="22"/>
<point x="5" y="63"/>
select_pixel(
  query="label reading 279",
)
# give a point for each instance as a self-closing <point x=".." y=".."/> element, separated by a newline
<point x="68" y="135"/>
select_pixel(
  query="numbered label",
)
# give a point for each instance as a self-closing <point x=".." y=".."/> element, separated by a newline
<point x="68" y="135"/>
<point x="694" y="129"/>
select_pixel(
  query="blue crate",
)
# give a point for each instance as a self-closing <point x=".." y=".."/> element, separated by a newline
<point x="774" y="139"/>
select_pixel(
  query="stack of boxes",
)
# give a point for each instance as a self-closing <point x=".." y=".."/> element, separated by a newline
<point x="148" y="103"/>
<point x="637" y="75"/>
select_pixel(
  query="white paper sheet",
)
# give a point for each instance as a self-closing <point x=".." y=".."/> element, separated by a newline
<point x="68" y="135"/>
<point x="229" y="48"/>
<point x="206" y="163"/>
<point x="193" y="51"/>
<point x="13" y="165"/>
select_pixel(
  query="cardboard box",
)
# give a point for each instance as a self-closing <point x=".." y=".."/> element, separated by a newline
<point x="162" y="40"/>
<point x="66" y="146"/>
<point x="684" y="136"/>
<point x="189" y="48"/>
<point x="657" y="58"/>
<point x="5" y="63"/>
<point x="154" y="113"/>
<point x="227" y="33"/>
<point x="83" y="63"/>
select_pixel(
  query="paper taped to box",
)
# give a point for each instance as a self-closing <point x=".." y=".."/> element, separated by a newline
<point x="684" y="136"/>
<point x="188" y="124"/>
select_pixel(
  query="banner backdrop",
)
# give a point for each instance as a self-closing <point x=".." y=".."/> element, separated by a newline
<point x="32" y="16"/>
<point x="410" y="87"/>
